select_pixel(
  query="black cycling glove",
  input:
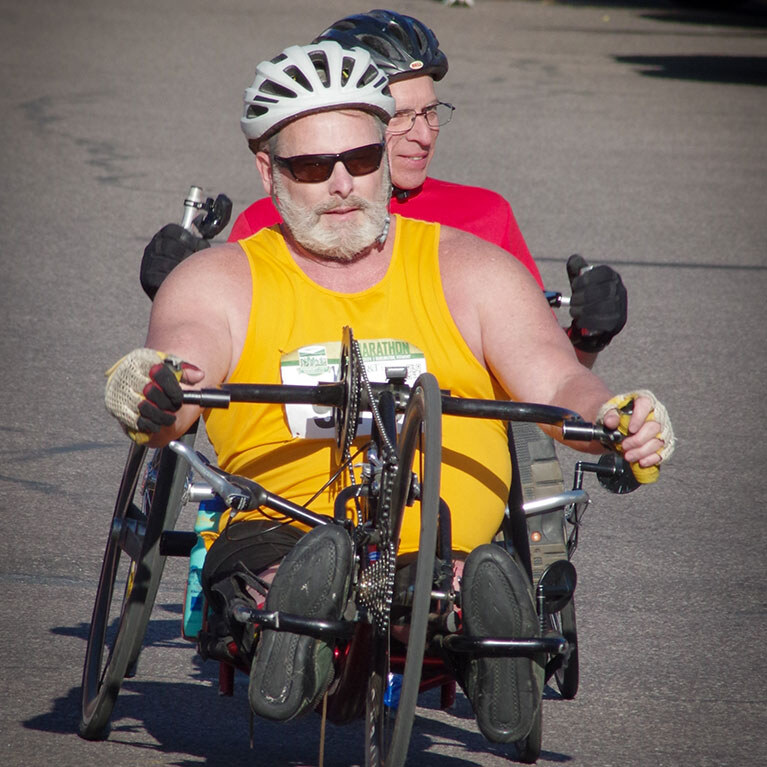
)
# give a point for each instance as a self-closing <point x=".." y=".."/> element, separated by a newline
<point x="598" y="304"/>
<point x="162" y="398"/>
<point x="168" y="248"/>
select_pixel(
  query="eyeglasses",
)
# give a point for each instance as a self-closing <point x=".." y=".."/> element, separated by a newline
<point x="313" y="168"/>
<point x="435" y="115"/>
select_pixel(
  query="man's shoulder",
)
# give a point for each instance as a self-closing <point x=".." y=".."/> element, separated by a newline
<point x="437" y="188"/>
<point x="219" y="263"/>
<point x="465" y="253"/>
<point x="455" y="240"/>
<point x="207" y="277"/>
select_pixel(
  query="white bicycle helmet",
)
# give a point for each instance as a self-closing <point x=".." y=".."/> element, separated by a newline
<point x="305" y="79"/>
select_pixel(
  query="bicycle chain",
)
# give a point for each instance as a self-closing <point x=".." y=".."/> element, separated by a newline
<point x="376" y="587"/>
<point x="375" y="590"/>
<point x="369" y="390"/>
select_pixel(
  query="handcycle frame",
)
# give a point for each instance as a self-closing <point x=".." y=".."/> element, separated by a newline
<point x="138" y="534"/>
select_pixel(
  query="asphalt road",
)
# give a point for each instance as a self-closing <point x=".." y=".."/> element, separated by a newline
<point x="633" y="133"/>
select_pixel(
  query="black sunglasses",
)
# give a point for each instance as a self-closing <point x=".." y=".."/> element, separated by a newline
<point x="313" y="168"/>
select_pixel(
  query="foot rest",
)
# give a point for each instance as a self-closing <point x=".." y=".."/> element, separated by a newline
<point x="177" y="543"/>
<point x="295" y="624"/>
<point x="496" y="646"/>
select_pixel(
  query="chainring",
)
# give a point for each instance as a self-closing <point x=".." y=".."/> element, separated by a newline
<point x="347" y="415"/>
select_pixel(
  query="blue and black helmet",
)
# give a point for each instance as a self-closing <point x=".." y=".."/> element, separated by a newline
<point x="400" y="45"/>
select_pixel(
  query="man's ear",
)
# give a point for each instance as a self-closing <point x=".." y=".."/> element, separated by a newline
<point x="264" y="166"/>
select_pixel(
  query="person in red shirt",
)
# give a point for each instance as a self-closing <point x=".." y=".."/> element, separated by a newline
<point x="409" y="53"/>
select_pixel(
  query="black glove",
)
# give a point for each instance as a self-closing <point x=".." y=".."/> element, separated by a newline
<point x="163" y="397"/>
<point x="598" y="304"/>
<point x="168" y="248"/>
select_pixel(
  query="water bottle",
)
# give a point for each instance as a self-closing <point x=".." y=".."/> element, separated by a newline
<point x="208" y="515"/>
<point x="393" y="689"/>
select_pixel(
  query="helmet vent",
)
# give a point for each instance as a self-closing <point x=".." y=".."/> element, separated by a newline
<point x="255" y="111"/>
<point x="320" y="61"/>
<point x="294" y="73"/>
<point x="346" y="69"/>
<point x="275" y="89"/>
<point x="378" y="45"/>
<point x="370" y="74"/>
<point x="395" y="30"/>
<point x="423" y="43"/>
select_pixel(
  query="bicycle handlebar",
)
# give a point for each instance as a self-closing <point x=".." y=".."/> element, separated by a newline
<point x="332" y="394"/>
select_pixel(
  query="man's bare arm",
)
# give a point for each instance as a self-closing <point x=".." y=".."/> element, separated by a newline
<point x="198" y="315"/>
<point x="509" y="327"/>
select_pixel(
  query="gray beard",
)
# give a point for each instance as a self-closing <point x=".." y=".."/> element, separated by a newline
<point x="344" y="241"/>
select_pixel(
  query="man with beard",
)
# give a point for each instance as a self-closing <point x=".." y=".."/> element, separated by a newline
<point x="408" y="51"/>
<point x="244" y="312"/>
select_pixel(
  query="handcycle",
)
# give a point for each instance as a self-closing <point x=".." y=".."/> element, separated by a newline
<point x="400" y="465"/>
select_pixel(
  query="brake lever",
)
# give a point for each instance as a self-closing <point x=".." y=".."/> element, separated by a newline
<point x="216" y="216"/>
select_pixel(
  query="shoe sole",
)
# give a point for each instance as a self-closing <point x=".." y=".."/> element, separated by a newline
<point x="505" y="692"/>
<point x="291" y="672"/>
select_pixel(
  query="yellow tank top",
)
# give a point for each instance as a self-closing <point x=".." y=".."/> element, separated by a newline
<point x="294" y="335"/>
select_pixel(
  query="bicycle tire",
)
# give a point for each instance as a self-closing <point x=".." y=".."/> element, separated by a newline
<point x="529" y="747"/>
<point x="134" y="531"/>
<point x="386" y="741"/>
<point x="567" y="674"/>
<point x="539" y="467"/>
<point x="540" y="476"/>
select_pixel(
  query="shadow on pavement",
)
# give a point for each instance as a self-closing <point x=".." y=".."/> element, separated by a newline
<point x="738" y="70"/>
<point x="187" y="721"/>
<point x="752" y="13"/>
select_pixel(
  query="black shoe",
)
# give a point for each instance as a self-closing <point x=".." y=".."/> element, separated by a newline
<point x="497" y="601"/>
<point x="291" y="672"/>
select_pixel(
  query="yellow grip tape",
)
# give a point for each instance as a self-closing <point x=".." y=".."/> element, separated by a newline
<point x="645" y="476"/>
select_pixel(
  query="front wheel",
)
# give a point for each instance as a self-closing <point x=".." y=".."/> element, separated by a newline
<point x="388" y="721"/>
<point x="529" y="747"/>
<point x="133" y="564"/>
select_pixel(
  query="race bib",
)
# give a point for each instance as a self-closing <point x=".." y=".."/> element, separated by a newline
<point x="317" y="363"/>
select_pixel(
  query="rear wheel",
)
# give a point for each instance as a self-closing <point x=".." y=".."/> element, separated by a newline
<point x="539" y="469"/>
<point x="540" y="476"/>
<point x="388" y="727"/>
<point x="132" y="567"/>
